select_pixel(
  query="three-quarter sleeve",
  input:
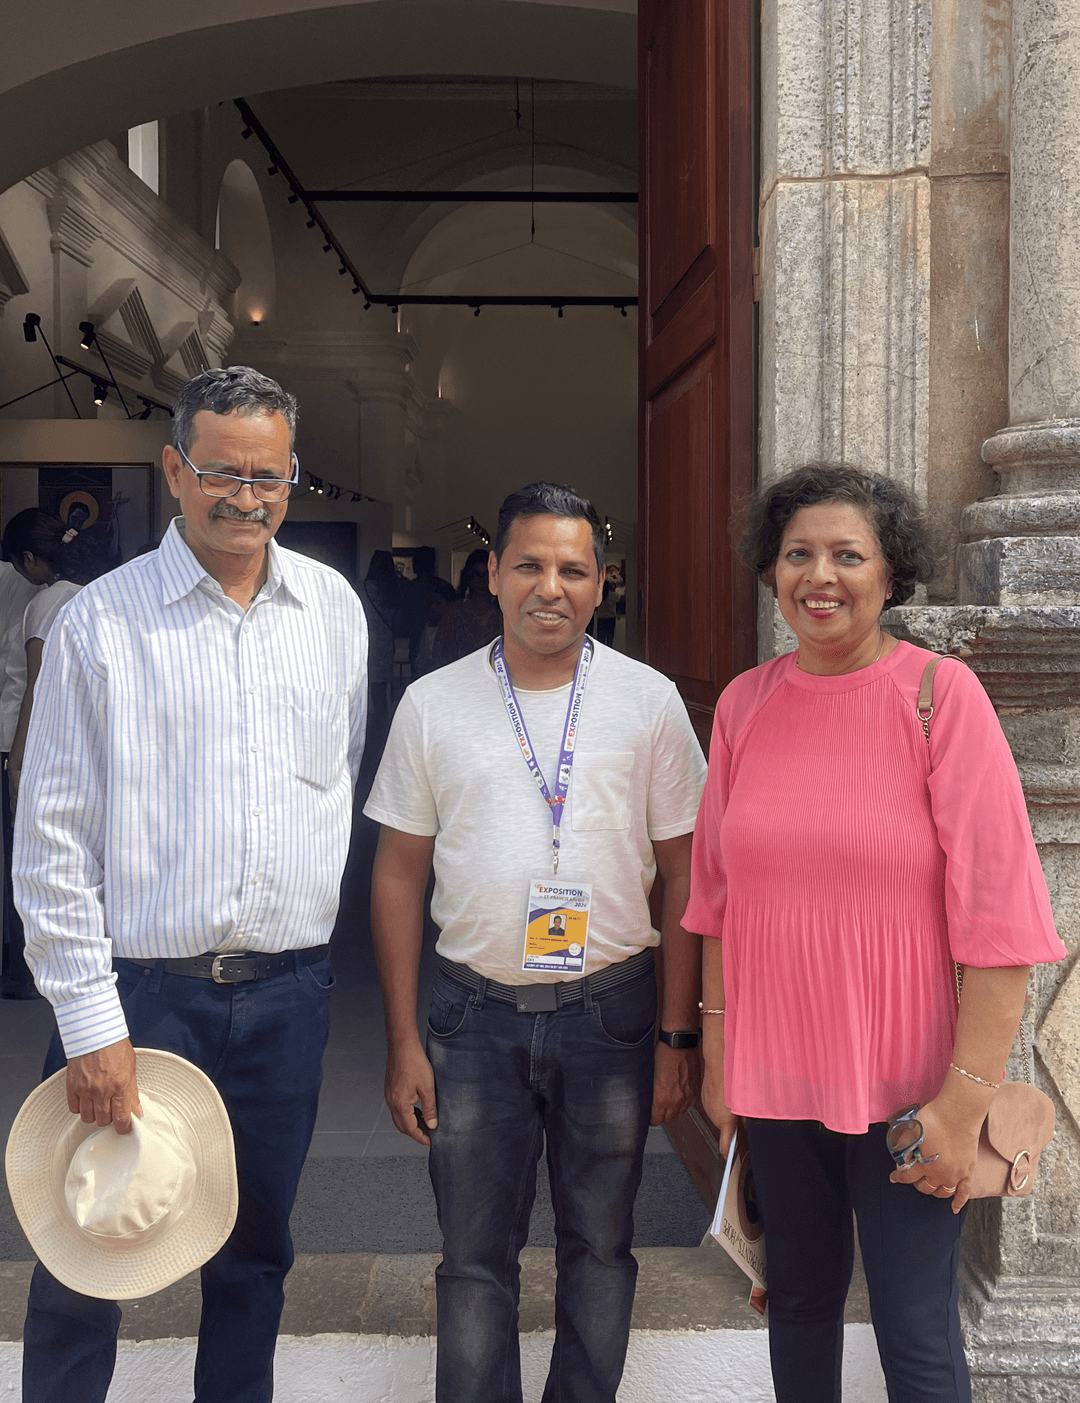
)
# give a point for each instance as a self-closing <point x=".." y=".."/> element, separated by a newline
<point x="704" y="913"/>
<point x="997" y="906"/>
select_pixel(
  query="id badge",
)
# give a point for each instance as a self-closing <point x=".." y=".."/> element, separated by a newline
<point x="557" y="926"/>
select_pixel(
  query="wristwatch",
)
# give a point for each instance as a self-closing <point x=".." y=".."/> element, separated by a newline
<point x="682" y="1041"/>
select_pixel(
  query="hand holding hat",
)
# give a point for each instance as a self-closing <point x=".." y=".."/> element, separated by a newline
<point x="103" y="1088"/>
<point x="123" y="1215"/>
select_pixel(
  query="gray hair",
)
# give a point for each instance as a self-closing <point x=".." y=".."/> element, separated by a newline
<point x="234" y="389"/>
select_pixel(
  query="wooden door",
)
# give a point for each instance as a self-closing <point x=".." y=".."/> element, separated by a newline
<point x="697" y="234"/>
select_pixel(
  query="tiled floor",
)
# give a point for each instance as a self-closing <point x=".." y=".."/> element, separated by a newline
<point x="353" y="1118"/>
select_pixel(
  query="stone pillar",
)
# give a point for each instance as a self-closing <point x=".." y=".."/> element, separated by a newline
<point x="1018" y="625"/>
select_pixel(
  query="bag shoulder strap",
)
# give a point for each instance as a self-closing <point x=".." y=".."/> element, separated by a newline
<point x="924" y="710"/>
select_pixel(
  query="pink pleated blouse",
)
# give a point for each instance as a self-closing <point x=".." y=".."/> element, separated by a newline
<point x="846" y="865"/>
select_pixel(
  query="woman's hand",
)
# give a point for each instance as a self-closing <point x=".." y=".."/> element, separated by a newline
<point x="712" y="1098"/>
<point x="951" y="1132"/>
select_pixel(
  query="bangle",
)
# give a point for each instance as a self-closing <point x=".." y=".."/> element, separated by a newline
<point x="993" y="1085"/>
<point x="703" y="1009"/>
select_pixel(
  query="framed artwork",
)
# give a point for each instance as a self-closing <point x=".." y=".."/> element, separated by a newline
<point x="121" y="498"/>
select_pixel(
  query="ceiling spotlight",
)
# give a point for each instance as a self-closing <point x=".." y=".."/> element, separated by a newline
<point x="294" y="198"/>
<point x="394" y="310"/>
<point x="311" y="483"/>
<point x="245" y="134"/>
<point x="88" y="337"/>
<point x="367" y="305"/>
<point x="31" y="322"/>
<point x="355" y="496"/>
<point x="319" y="489"/>
<point x="327" y="247"/>
<point x="271" y="170"/>
<point x="622" y="311"/>
<point x="355" y="288"/>
<point x="476" y="310"/>
<point x="342" y="271"/>
<point x="311" y="224"/>
<point x="560" y="312"/>
<point x="101" y="393"/>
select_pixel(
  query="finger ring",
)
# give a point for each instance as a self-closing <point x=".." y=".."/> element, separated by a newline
<point x="947" y="1188"/>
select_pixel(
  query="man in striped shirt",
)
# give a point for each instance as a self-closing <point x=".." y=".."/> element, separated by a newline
<point x="181" y="832"/>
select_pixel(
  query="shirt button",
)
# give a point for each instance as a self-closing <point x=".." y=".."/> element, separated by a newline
<point x="256" y="812"/>
<point x="254" y="750"/>
<point x="251" y="690"/>
<point x="247" y="628"/>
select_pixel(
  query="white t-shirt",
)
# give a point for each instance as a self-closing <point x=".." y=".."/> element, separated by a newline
<point x="452" y="769"/>
<point x="41" y="612"/>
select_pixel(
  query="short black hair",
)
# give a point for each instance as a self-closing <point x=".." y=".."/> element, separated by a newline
<point x="549" y="499"/>
<point x="89" y="554"/>
<point x="233" y="389"/>
<point x="890" y="509"/>
<point x="36" y="532"/>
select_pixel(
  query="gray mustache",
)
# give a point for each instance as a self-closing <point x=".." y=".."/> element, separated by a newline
<point x="259" y="515"/>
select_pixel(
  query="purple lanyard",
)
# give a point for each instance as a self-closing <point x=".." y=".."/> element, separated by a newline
<point x="556" y="802"/>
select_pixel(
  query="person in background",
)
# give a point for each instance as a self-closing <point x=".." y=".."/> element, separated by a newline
<point x="841" y="865"/>
<point x="418" y="597"/>
<point x="474" y="619"/>
<point x="606" y="611"/>
<point x="31" y="544"/>
<point x="379" y="596"/>
<point x="82" y="558"/>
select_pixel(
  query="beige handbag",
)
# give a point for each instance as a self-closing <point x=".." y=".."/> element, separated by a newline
<point x="1020" y="1122"/>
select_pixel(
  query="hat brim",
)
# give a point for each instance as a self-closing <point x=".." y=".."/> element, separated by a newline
<point x="84" y="1262"/>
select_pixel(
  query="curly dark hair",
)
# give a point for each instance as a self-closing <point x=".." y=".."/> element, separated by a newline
<point x="890" y="509"/>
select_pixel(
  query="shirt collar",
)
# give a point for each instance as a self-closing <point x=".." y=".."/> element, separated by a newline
<point x="181" y="572"/>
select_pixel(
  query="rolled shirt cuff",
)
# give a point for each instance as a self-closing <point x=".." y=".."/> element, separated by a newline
<point x="91" y="1023"/>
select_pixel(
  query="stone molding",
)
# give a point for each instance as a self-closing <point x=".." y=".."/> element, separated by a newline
<point x="127" y="215"/>
<point x="845" y="326"/>
<point x="73" y="231"/>
<point x="845" y="89"/>
<point x="12" y="282"/>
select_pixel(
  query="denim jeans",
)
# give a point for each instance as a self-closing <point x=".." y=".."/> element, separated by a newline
<point x="580" y="1076"/>
<point x="808" y="1180"/>
<point x="261" y="1042"/>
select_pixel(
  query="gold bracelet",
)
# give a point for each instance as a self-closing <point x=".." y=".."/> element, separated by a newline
<point x="703" y="1009"/>
<point x="993" y="1085"/>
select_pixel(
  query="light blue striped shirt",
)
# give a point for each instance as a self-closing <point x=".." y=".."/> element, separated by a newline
<point x="189" y="774"/>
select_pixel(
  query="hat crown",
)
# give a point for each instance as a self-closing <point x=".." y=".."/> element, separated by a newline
<point x="125" y="1188"/>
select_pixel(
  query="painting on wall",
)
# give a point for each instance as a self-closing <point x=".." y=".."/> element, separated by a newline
<point x="120" y="498"/>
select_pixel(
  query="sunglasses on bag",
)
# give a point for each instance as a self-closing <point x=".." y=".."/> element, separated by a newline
<point x="904" y="1136"/>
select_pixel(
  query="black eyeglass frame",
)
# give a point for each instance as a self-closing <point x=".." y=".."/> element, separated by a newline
<point x="242" y="482"/>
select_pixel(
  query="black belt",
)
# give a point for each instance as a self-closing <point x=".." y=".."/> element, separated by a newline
<point x="236" y="968"/>
<point x="545" y="998"/>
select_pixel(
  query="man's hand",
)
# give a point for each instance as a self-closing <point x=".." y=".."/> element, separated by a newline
<point x="409" y="1079"/>
<point x="676" y="1076"/>
<point x="101" y="1086"/>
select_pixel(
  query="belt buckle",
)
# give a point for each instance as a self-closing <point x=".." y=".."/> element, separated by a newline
<point x="537" y="998"/>
<point x="217" y="976"/>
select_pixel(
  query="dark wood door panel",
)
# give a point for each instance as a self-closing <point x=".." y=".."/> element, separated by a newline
<point x="679" y="452"/>
<point x="681" y="342"/>
<point x="680" y="145"/>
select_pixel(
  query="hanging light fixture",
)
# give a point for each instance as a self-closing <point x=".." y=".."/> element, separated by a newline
<point x="88" y="335"/>
<point x="101" y="393"/>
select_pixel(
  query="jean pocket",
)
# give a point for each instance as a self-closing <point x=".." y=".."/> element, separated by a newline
<point x="628" y="1016"/>
<point x="321" y="975"/>
<point x="449" y="1009"/>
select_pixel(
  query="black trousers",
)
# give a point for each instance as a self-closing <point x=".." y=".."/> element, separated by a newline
<point x="808" y="1181"/>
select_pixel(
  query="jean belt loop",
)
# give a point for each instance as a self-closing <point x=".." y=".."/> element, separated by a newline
<point x="586" y="993"/>
<point x="157" y="974"/>
<point x="298" y="968"/>
<point x="481" y="992"/>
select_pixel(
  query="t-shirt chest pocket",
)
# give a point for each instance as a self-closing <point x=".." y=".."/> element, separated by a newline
<point x="600" y="791"/>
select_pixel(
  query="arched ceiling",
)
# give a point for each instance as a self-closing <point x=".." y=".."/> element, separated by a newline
<point x="71" y="74"/>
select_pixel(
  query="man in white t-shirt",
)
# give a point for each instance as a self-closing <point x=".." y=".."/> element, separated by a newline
<point x="543" y="772"/>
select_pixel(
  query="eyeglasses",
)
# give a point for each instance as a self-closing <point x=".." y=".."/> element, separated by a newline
<point x="266" y="489"/>
<point x="904" y="1136"/>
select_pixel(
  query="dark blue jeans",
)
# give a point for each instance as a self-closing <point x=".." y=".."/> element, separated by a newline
<point x="262" y="1044"/>
<point x="582" y="1077"/>
<point x="808" y="1181"/>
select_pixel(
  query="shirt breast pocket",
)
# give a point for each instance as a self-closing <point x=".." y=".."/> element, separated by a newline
<point x="600" y="791"/>
<point x="317" y="731"/>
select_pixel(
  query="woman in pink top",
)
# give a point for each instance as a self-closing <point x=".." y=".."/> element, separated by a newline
<point x="840" y="866"/>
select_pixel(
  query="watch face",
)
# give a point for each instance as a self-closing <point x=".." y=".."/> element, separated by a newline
<point x="682" y="1040"/>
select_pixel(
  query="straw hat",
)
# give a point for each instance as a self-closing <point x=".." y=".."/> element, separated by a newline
<point x="119" y="1216"/>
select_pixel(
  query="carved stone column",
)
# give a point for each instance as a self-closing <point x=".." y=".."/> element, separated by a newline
<point x="1018" y="626"/>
